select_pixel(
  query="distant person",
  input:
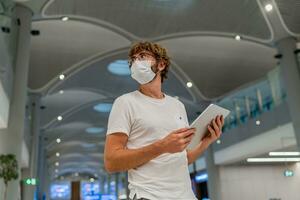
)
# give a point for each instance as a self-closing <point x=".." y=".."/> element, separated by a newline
<point x="147" y="132"/>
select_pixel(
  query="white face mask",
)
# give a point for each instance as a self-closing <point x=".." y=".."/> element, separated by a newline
<point x="141" y="71"/>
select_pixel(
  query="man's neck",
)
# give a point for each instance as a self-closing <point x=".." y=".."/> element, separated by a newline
<point x="152" y="89"/>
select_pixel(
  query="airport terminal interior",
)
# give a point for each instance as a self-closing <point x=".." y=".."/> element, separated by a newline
<point x="64" y="62"/>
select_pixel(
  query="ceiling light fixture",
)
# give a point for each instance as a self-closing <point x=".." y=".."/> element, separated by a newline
<point x="59" y="118"/>
<point x="269" y="7"/>
<point x="57" y="154"/>
<point x="292" y="153"/>
<point x="237" y="37"/>
<point x="273" y="160"/>
<point x="94" y="130"/>
<point x="62" y="77"/>
<point x="57" y="164"/>
<point x="257" y="122"/>
<point x="119" y="67"/>
<point x="189" y="84"/>
<point x="58" y="140"/>
<point x="64" y="18"/>
<point x="103" y="107"/>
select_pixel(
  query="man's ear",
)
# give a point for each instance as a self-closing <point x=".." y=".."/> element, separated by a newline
<point x="161" y="65"/>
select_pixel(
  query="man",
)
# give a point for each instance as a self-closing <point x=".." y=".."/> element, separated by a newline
<point x="147" y="132"/>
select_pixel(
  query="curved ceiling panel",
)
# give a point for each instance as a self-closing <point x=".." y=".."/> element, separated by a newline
<point x="82" y="172"/>
<point x="74" y="149"/>
<point x="289" y="10"/>
<point x="77" y="156"/>
<point x="62" y="44"/>
<point x="148" y="19"/>
<point x="64" y="100"/>
<point x="219" y="65"/>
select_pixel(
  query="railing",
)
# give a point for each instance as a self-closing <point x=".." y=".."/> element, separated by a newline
<point x="251" y="102"/>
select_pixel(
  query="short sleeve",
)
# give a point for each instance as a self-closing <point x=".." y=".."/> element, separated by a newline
<point x="119" y="118"/>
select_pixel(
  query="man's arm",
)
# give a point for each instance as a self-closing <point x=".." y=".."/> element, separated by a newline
<point x="118" y="158"/>
<point x="193" y="154"/>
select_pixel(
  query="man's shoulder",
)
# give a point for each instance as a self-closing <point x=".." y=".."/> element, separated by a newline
<point x="126" y="97"/>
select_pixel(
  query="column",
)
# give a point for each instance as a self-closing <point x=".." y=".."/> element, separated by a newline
<point x="275" y="86"/>
<point x="13" y="135"/>
<point x="126" y="185"/>
<point x="291" y="77"/>
<point x="108" y="183"/>
<point x="214" y="186"/>
<point x="29" y="191"/>
<point x="102" y="184"/>
<point x="117" y="184"/>
<point x="42" y="168"/>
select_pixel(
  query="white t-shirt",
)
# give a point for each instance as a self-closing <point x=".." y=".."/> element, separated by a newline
<point x="146" y="120"/>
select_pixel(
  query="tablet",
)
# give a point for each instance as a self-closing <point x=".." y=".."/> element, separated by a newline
<point x="203" y="120"/>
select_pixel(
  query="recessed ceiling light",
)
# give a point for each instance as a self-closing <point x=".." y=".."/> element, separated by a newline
<point x="94" y="130"/>
<point x="59" y="118"/>
<point x="57" y="164"/>
<point x="62" y="77"/>
<point x="103" y="107"/>
<point x="65" y="19"/>
<point x="89" y="145"/>
<point x="61" y="92"/>
<point x="257" y="122"/>
<point x="189" y="84"/>
<point x="269" y="7"/>
<point x="292" y="153"/>
<point x="57" y="154"/>
<point x="237" y="37"/>
<point x="58" y="140"/>
<point x="56" y="170"/>
<point x="273" y="160"/>
<point x="119" y="67"/>
<point x="218" y="141"/>
<point x="92" y="179"/>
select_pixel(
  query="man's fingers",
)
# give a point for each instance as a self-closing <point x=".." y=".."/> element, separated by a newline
<point x="187" y="133"/>
<point x="187" y="140"/>
<point x="211" y="130"/>
<point x="181" y="130"/>
<point x="219" y="121"/>
<point x="222" y="119"/>
<point x="216" y="128"/>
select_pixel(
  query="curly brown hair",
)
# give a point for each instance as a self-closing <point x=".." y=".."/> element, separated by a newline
<point x="159" y="52"/>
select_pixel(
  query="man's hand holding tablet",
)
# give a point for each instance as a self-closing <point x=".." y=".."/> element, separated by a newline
<point x="214" y="131"/>
<point x="208" y="125"/>
<point x="208" y="129"/>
